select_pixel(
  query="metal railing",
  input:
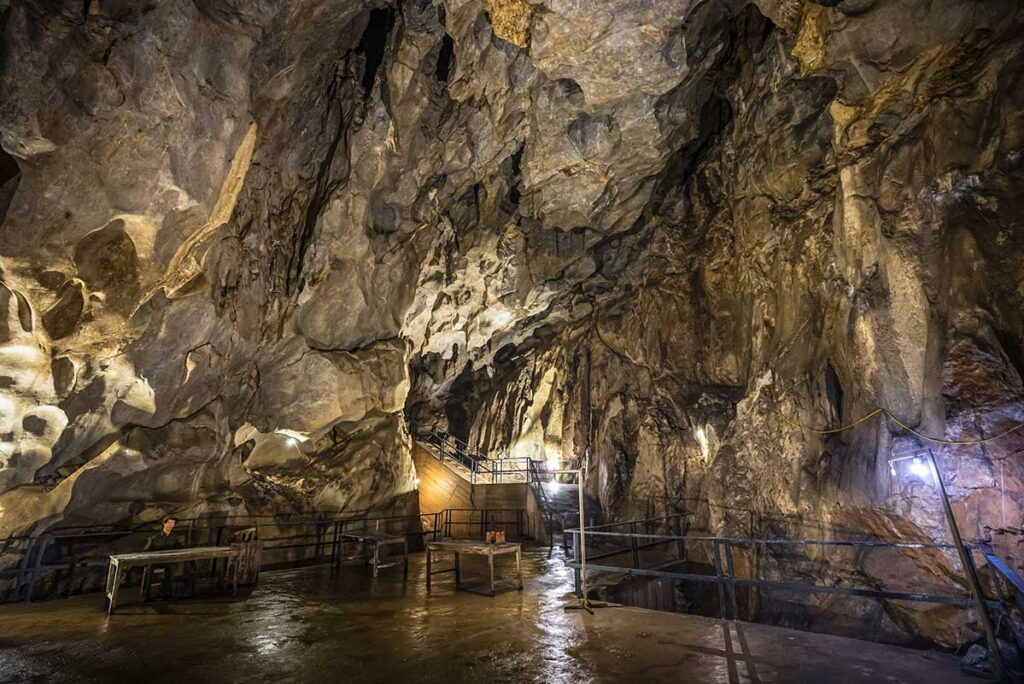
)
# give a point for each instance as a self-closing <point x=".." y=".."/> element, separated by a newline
<point x="480" y="468"/>
<point x="72" y="560"/>
<point x="475" y="522"/>
<point x="474" y="465"/>
<point x="678" y="552"/>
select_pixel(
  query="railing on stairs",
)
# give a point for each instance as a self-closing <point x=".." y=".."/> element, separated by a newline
<point x="545" y="504"/>
<point x="481" y="468"/>
<point x="474" y="465"/>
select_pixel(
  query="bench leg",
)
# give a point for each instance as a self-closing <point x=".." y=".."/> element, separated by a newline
<point x="115" y="591"/>
<point x="111" y="573"/>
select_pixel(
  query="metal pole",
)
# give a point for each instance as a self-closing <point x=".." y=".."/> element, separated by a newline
<point x="583" y="538"/>
<point x="972" y="576"/>
<point x="585" y="603"/>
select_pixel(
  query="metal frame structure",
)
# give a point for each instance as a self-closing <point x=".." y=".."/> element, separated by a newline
<point x="720" y="554"/>
<point x="65" y="555"/>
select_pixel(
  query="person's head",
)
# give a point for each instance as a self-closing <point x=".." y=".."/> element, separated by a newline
<point x="169" y="523"/>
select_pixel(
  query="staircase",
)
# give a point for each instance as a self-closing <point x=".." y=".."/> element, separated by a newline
<point x="561" y="505"/>
<point x="554" y="500"/>
<point x="474" y="465"/>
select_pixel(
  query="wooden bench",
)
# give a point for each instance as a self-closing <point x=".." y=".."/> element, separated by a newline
<point x="470" y="547"/>
<point x="120" y="563"/>
<point x="377" y="542"/>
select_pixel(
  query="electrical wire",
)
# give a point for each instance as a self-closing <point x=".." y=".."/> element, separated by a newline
<point x="885" y="412"/>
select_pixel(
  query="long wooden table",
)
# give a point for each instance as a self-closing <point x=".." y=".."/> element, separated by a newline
<point x="378" y="541"/>
<point x="121" y="562"/>
<point x="470" y="547"/>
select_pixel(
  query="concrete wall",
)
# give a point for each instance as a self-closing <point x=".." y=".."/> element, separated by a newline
<point x="441" y="488"/>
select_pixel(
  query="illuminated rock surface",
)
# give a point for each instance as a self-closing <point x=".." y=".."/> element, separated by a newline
<point x="661" y="232"/>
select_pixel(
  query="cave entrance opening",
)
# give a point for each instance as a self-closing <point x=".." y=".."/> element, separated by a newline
<point x="10" y="175"/>
<point x="374" y="43"/>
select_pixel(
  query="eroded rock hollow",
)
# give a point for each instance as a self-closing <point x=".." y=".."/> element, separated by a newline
<point x="247" y="244"/>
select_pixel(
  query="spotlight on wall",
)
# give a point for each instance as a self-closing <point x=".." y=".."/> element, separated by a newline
<point x="916" y="470"/>
<point x="918" y="467"/>
<point x="291" y="441"/>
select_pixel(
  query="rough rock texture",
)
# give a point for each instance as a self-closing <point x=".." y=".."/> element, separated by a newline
<point x="243" y="241"/>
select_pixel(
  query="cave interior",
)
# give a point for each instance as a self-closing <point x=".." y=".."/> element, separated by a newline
<point x="736" y="286"/>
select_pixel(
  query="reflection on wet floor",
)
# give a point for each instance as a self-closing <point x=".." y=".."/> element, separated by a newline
<point x="315" y="625"/>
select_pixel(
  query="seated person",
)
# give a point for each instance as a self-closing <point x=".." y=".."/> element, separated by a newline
<point x="163" y="540"/>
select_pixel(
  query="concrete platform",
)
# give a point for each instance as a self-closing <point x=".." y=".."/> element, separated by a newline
<point x="307" y="625"/>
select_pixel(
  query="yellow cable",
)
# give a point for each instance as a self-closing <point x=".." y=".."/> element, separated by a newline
<point x="947" y="441"/>
<point x="838" y="429"/>
<point x="905" y="427"/>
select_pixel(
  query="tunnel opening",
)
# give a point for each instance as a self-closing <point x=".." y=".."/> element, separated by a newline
<point x="834" y="391"/>
<point x="374" y="43"/>
<point x="445" y="59"/>
<point x="10" y="175"/>
<point x="8" y="167"/>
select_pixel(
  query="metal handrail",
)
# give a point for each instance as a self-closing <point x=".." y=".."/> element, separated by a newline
<point x="481" y="466"/>
<point x="721" y="556"/>
<point x="770" y="542"/>
<point x="34" y="555"/>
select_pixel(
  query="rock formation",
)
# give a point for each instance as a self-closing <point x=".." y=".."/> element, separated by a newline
<point x="244" y="241"/>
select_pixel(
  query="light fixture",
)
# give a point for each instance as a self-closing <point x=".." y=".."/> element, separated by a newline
<point x="291" y="441"/>
<point x="554" y="486"/>
<point x="918" y="467"/>
<point x="916" y="470"/>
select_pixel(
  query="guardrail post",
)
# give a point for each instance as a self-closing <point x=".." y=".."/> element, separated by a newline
<point x="341" y="537"/>
<point x="718" y="575"/>
<point x="680" y="542"/>
<point x="576" y="559"/>
<point x="318" y="535"/>
<point x="635" y="545"/>
<point x="213" y="563"/>
<point x="732" y="580"/>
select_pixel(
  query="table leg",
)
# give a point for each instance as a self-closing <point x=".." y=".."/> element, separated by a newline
<point x="490" y="566"/>
<point x="111" y="571"/>
<point x="458" y="570"/>
<point x="429" y="564"/>
<point x="376" y="559"/>
<point x="117" y="588"/>
<point x="519" y="568"/>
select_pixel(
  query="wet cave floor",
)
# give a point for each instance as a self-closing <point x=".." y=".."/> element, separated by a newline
<point x="312" y="625"/>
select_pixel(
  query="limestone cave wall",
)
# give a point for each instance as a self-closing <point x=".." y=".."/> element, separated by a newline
<point x="246" y="244"/>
